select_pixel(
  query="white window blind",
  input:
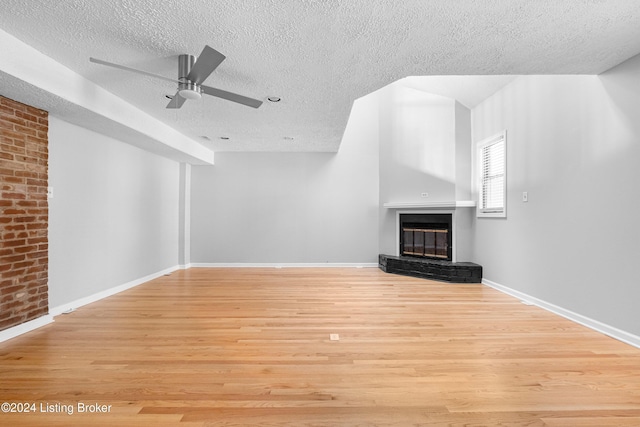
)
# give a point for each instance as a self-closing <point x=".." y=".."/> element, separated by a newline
<point x="492" y="176"/>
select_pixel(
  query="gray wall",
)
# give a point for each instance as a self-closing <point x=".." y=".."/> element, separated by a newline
<point x="114" y="215"/>
<point x="291" y="207"/>
<point x="417" y="145"/>
<point x="463" y="139"/>
<point x="573" y="143"/>
<point x="424" y="148"/>
<point x="463" y="217"/>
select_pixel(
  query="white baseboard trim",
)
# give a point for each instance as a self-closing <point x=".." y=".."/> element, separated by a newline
<point x="23" y="328"/>
<point x="56" y="311"/>
<point x="603" y="328"/>
<point x="284" y="265"/>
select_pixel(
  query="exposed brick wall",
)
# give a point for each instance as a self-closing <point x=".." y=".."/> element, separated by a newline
<point x="24" y="213"/>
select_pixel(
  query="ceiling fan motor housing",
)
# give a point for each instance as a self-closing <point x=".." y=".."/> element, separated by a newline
<point x="187" y="89"/>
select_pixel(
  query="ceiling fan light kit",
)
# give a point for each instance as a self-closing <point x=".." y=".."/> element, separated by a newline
<point x="189" y="90"/>
<point x="192" y="73"/>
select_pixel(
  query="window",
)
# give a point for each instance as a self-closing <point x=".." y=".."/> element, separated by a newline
<point x="492" y="176"/>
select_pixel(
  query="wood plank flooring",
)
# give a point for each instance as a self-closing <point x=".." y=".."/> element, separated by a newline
<point x="252" y="347"/>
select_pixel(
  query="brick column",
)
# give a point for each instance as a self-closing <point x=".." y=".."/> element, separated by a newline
<point x="24" y="213"/>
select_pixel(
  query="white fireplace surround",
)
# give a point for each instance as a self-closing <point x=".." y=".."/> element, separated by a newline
<point x="431" y="208"/>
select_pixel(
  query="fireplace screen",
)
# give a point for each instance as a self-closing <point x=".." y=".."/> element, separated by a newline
<point x="425" y="242"/>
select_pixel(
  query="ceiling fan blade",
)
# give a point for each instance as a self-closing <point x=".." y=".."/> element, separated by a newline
<point x="208" y="61"/>
<point x="176" y="102"/>
<point x="229" y="96"/>
<point x="122" y="67"/>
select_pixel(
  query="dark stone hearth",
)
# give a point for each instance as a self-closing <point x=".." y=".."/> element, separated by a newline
<point x="446" y="271"/>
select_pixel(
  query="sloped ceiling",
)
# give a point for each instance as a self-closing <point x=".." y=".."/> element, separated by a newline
<point x="317" y="55"/>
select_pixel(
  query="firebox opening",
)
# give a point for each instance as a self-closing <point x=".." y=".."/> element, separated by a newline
<point x="426" y="236"/>
<point x="425" y="242"/>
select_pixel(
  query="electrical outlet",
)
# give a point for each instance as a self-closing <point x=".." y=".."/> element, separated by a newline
<point x="424" y="194"/>
<point x="525" y="196"/>
<point x="49" y="192"/>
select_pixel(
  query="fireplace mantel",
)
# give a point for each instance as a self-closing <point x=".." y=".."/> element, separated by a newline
<point x="431" y="205"/>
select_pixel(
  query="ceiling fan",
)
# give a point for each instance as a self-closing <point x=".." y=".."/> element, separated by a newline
<point x="191" y="74"/>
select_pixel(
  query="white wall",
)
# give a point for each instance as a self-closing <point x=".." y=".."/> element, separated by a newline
<point x="573" y="143"/>
<point x="114" y="215"/>
<point x="291" y="207"/>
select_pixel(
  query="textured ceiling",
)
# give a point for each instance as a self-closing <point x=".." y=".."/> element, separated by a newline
<point x="317" y="55"/>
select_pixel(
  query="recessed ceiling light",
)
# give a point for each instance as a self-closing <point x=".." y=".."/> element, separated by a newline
<point x="273" y="99"/>
<point x="205" y="137"/>
<point x="224" y="137"/>
<point x="288" y="138"/>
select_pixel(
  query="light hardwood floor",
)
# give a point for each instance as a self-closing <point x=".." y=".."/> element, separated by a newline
<point x="252" y="347"/>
